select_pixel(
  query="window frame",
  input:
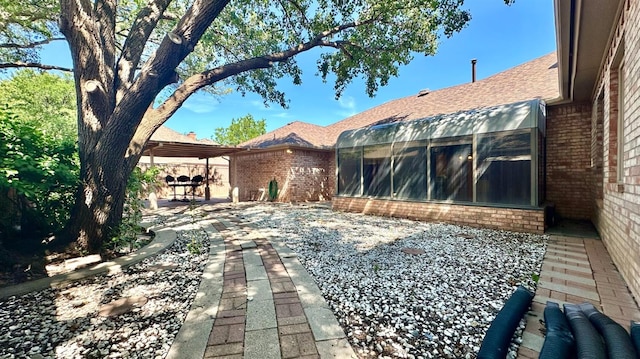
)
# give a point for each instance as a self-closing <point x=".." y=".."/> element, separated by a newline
<point x="620" y="125"/>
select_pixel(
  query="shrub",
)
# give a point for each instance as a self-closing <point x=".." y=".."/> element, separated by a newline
<point x="139" y="185"/>
<point x="38" y="179"/>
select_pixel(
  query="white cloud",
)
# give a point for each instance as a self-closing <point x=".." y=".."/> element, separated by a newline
<point x="201" y="104"/>
<point x="348" y="105"/>
<point x="260" y="105"/>
<point x="282" y="115"/>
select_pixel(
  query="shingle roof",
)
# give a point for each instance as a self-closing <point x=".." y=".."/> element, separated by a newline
<point x="165" y="134"/>
<point x="535" y="79"/>
<point x="295" y="133"/>
<point x="166" y="142"/>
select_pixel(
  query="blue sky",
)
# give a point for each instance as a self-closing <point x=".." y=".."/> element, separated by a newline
<point x="498" y="36"/>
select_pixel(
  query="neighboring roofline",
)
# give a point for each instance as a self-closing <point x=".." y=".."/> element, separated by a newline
<point x="249" y="151"/>
<point x="251" y="142"/>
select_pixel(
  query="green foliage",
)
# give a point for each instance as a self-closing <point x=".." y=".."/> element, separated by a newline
<point x="374" y="38"/>
<point x="273" y="189"/>
<point x="535" y="277"/>
<point x="139" y="185"/>
<point x="23" y="23"/>
<point x="38" y="155"/>
<point x="194" y="247"/>
<point x="45" y="100"/>
<point x="41" y="170"/>
<point x="241" y="130"/>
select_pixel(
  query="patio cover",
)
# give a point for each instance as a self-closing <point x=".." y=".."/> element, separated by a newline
<point x="168" y="143"/>
<point x="183" y="149"/>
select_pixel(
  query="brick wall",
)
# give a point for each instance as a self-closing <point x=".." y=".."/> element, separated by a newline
<point x="302" y="175"/>
<point x="617" y="214"/>
<point x="569" y="172"/>
<point x="519" y="220"/>
<point x="311" y="176"/>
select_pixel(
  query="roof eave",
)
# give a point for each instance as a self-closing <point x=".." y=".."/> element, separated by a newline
<point x="562" y="10"/>
<point x="584" y="30"/>
<point x="281" y="147"/>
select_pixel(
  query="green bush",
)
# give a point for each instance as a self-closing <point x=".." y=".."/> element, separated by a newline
<point x="139" y="185"/>
<point x="38" y="178"/>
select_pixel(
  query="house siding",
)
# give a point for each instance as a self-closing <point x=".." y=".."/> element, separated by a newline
<point x="617" y="203"/>
<point x="569" y="184"/>
<point x="302" y="175"/>
<point x="518" y="220"/>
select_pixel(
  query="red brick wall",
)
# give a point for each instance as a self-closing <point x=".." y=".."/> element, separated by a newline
<point x="618" y="212"/>
<point x="569" y="173"/>
<point x="519" y="220"/>
<point x="302" y="175"/>
<point x="311" y="176"/>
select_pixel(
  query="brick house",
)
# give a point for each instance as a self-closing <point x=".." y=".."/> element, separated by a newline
<point x="301" y="156"/>
<point x="593" y="163"/>
<point x="589" y="167"/>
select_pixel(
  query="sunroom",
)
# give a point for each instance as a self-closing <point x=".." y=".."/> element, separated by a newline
<point x="489" y="157"/>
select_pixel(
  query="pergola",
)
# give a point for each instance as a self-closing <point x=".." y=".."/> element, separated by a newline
<point x="191" y="149"/>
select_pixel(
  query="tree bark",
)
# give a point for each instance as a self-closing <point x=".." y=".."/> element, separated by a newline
<point x="104" y="171"/>
<point x="115" y="113"/>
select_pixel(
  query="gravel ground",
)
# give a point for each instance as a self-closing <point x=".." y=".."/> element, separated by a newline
<point x="64" y="323"/>
<point x="438" y="304"/>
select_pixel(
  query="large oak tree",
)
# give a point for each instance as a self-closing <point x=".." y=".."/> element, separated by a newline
<point x="136" y="62"/>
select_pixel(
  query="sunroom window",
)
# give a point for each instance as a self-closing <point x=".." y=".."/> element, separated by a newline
<point x="349" y="171"/>
<point x="489" y="156"/>
<point x="452" y="170"/>
<point x="504" y="167"/>
<point x="410" y="170"/>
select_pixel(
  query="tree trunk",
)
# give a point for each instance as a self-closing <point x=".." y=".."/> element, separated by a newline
<point x="99" y="201"/>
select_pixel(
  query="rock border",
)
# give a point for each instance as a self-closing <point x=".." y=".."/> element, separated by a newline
<point x="163" y="239"/>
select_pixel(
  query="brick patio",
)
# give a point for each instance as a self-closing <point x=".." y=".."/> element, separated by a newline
<point x="577" y="270"/>
<point x="260" y="313"/>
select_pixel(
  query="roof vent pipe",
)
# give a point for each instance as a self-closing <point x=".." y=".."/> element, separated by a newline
<point x="473" y="69"/>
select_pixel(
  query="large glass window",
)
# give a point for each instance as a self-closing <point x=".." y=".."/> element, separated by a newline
<point x="487" y="156"/>
<point x="504" y="168"/>
<point x="349" y="161"/>
<point x="452" y="170"/>
<point x="376" y="171"/>
<point x="410" y="170"/>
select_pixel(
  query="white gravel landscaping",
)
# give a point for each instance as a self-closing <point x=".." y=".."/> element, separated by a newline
<point x="65" y="323"/>
<point x="438" y="304"/>
<point x="399" y="288"/>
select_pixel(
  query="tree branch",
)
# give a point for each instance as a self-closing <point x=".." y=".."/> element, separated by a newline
<point x="154" y="118"/>
<point x="160" y="69"/>
<point x="30" y="45"/>
<point x="106" y="11"/>
<point x="21" y="64"/>
<point x="133" y="47"/>
<point x="209" y="77"/>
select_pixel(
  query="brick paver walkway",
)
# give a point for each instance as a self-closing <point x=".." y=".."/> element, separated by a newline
<point x="260" y="313"/>
<point x="577" y="270"/>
